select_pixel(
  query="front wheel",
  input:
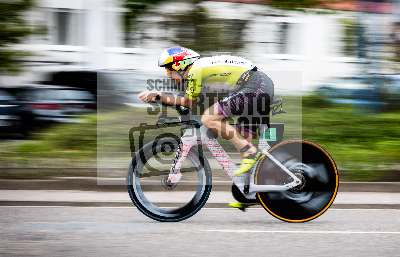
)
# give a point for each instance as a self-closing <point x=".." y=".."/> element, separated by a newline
<point x="313" y="166"/>
<point x="150" y="190"/>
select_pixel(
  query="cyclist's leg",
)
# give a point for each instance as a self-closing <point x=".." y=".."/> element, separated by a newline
<point x="215" y="120"/>
<point x="259" y="90"/>
<point x="251" y="102"/>
<point x="251" y="99"/>
<point x="247" y="132"/>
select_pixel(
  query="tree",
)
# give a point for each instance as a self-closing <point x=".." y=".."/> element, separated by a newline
<point x="193" y="28"/>
<point x="134" y="9"/>
<point x="196" y="29"/>
<point x="13" y="29"/>
<point x="293" y="4"/>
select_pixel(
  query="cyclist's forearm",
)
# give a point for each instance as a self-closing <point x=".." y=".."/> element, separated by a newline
<point x="173" y="100"/>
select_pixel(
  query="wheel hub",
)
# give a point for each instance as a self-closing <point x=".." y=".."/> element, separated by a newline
<point x="299" y="174"/>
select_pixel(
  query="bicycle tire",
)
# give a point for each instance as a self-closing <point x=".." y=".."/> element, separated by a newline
<point x="319" y="174"/>
<point x="173" y="215"/>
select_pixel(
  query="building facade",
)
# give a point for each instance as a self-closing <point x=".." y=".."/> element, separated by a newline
<point x="90" y="34"/>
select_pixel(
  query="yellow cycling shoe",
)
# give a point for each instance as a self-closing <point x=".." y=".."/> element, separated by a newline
<point x="247" y="163"/>
<point x="240" y="206"/>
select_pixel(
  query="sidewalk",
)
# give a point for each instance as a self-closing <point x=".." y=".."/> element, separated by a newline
<point x="118" y="185"/>
<point x="217" y="198"/>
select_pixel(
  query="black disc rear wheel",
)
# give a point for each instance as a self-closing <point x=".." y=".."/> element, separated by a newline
<point x="313" y="166"/>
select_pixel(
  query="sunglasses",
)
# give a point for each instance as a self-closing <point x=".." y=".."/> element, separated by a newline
<point x="169" y="67"/>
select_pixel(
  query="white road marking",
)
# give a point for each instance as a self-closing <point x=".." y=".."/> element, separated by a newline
<point x="301" y="231"/>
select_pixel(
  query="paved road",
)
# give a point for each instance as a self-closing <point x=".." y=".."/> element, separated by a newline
<point x="123" y="231"/>
<point x="217" y="198"/>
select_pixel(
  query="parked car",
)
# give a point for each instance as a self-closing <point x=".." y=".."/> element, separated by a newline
<point x="11" y="114"/>
<point x="112" y="89"/>
<point x="372" y="91"/>
<point x="127" y="85"/>
<point x="55" y="104"/>
<point x="82" y="79"/>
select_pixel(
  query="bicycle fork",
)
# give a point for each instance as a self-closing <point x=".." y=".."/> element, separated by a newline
<point x="182" y="152"/>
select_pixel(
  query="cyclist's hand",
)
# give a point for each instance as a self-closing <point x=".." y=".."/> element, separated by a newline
<point x="148" y="96"/>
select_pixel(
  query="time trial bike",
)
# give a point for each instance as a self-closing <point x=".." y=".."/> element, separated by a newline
<point x="170" y="178"/>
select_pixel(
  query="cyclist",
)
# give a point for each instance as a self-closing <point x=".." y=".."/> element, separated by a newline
<point x="250" y="92"/>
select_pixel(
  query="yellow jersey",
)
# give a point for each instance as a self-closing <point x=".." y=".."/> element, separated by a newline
<point x="215" y="74"/>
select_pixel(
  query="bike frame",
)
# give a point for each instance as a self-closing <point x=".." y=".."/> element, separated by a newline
<point x="246" y="183"/>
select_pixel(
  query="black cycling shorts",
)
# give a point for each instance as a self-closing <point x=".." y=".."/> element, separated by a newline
<point x="250" y="101"/>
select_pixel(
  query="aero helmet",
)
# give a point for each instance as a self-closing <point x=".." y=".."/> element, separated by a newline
<point x="178" y="57"/>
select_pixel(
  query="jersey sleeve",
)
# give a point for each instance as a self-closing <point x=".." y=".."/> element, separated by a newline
<point x="194" y="83"/>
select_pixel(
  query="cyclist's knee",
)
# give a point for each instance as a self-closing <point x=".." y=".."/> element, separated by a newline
<point x="211" y="117"/>
<point x="210" y="120"/>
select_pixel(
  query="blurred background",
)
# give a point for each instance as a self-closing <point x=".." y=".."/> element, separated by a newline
<point x="70" y="72"/>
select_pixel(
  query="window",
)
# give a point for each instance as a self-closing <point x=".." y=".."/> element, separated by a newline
<point x="67" y="27"/>
<point x="62" y="20"/>
<point x="283" y="37"/>
<point x="62" y="94"/>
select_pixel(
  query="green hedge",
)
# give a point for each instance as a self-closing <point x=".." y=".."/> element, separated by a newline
<point x="365" y="145"/>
